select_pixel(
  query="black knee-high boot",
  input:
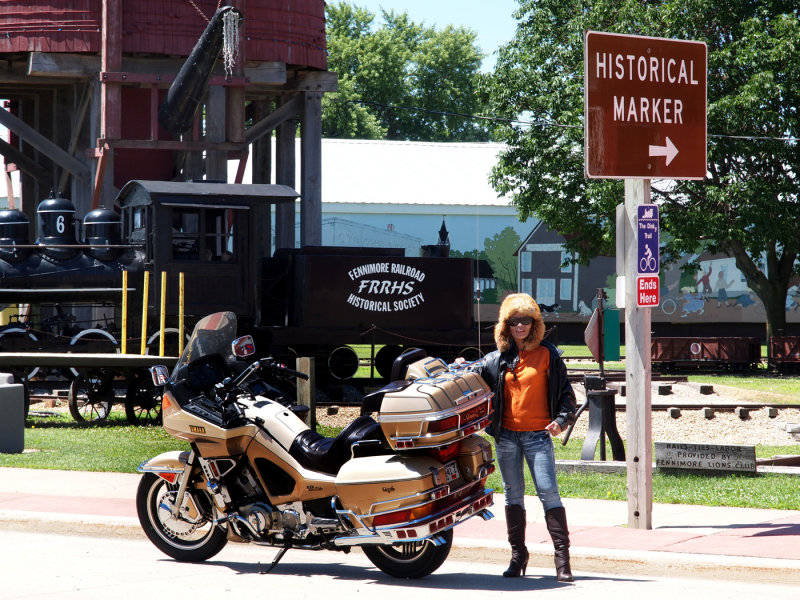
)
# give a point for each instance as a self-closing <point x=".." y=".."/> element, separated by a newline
<point x="516" y="522"/>
<point x="556" y="520"/>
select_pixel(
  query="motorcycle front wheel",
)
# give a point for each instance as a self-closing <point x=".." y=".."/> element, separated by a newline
<point x="410" y="560"/>
<point x="194" y="538"/>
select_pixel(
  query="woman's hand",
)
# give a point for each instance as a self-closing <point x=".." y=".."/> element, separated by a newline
<point x="554" y="429"/>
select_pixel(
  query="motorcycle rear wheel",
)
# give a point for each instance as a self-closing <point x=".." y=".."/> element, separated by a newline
<point x="410" y="560"/>
<point x="181" y="539"/>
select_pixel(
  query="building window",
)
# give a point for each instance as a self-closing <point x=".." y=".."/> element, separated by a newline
<point x="185" y="233"/>
<point x="208" y="229"/>
<point x="525" y="262"/>
<point x="526" y="286"/>
<point x="546" y="291"/>
<point x="565" y="291"/>
<point x="219" y="235"/>
<point x="566" y="267"/>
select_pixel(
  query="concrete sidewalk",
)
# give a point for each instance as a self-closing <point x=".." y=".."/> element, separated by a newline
<point x="686" y="540"/>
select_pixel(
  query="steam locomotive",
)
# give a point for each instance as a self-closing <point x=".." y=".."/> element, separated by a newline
<point x="311" y="301"/>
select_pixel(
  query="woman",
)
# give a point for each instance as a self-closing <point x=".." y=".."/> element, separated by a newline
<point x="533" y="400"/>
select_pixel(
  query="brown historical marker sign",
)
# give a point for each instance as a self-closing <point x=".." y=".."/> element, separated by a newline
<point x="645" y="107"/>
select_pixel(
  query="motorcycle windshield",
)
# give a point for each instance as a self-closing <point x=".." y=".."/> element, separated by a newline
<point x="212" y="335"/>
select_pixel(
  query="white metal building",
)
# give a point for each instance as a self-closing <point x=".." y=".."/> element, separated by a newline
<point x="407" y="188"/>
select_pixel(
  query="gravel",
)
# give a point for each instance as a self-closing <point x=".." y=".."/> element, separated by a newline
<point x="692" y="426"/>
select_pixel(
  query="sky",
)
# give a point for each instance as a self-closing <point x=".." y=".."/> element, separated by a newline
<point x="492" y="20"/>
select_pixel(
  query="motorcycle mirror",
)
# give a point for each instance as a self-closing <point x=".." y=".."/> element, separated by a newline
<point x="243" y="346"/>
<point x="160" y="375"/>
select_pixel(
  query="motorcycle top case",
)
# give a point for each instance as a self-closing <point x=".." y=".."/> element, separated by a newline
<point x="436" y="408"/>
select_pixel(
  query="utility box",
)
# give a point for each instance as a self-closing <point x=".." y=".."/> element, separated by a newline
<point x="12" y="415"/>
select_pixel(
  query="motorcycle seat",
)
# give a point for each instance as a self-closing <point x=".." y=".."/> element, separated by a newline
<point x="327" y="455"/>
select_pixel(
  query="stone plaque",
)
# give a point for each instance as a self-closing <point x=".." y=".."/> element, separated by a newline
<point x="714" y="457"/>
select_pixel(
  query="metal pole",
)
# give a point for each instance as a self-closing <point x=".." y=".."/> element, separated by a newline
<point x="162" y="320"/>
<point x="145" y="294"/>
<point x="181" y="301"/>
<point x="124" y="341"/>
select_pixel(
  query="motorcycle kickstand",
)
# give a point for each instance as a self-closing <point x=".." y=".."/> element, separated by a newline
<point x="275" y="560"/>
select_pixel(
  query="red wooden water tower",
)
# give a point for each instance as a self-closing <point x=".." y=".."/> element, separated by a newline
<point x="100" y="92"/>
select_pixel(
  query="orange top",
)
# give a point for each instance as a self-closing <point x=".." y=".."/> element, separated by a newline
<point x="525" y="407"/>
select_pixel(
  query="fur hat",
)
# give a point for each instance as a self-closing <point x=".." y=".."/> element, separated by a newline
<point x="518" y="304"/>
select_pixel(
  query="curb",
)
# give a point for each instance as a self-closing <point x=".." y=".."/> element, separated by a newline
<point x="591" y="560"/>
<point x="645" y="563"/>
<point x="71" y="524"/>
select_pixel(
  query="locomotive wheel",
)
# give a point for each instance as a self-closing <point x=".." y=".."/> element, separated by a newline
<point x="91" y="395"/>
<point x="19" y="339"/>
<point x="171" y="339"/>
<point x="92" y="340"/>
<point x="410" y="560"/>
<point x="143" y="401"/>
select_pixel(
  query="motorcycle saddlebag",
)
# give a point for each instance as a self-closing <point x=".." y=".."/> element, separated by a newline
<point x="378" y="484"/>
<point x="474" y="457"/>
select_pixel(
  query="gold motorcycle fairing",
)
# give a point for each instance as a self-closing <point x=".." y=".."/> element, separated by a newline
<point x="214" y="441"/>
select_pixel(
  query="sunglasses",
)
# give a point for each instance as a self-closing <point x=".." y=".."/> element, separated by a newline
<point x="514" y="321"/>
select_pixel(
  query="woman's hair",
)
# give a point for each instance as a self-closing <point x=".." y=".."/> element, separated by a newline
<point x="523" y="304"/>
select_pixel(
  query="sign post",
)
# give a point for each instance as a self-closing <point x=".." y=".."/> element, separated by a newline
<point x="645" y="118"/>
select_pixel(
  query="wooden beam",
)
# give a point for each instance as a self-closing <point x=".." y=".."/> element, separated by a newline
<point x="77" y="126"/>
<point x="285" y="169"/>
<point x="71" y="66"/>
<point x="26" y="164"/>
<point x="191" y="145"/>
<point x="29" y="135"/>
<point x="111" y="60"/>
<point x="314" y="81"/>
<point x="288" y="110"/>
<point x="311" y="170"/>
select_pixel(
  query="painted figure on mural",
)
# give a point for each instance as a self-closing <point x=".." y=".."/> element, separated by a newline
<point x="722" y="288"/>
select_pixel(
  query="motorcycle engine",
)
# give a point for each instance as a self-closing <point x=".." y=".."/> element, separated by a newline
<point x="264" y="519"/>
<point x="259" y="516"/>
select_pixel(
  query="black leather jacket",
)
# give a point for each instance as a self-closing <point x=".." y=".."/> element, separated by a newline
<point x="561" y="398"/>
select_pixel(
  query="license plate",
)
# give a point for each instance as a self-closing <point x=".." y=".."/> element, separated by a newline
<point x="451" y="471"/>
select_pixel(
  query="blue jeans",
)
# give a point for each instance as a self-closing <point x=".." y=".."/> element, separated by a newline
<point x="536" y="448"/>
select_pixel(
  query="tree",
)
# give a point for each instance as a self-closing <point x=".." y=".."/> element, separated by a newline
<point x="500" y="249"/>
<point x="747" y="206"/>
<point x="402" y="81"/>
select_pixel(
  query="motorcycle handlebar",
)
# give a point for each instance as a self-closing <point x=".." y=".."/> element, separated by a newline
<point x="267" y="364"/>
<point x="292" y="372"/>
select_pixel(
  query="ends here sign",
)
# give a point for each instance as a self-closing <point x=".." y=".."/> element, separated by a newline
<point x="647" y="294"/>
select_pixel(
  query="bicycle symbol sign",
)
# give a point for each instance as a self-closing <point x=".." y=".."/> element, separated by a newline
<point x="647" y="234"/>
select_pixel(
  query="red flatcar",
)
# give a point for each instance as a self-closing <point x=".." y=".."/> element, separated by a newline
<point x="709" y="353"/>
<point x="785" y="353"/>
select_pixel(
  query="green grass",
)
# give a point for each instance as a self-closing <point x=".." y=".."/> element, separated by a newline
<point x="58" y="442"/>
<point x="764" y="490"/>
<point x="764" y="382"/>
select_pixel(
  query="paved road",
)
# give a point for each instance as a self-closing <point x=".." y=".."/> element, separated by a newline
<point x="50" y="566"/>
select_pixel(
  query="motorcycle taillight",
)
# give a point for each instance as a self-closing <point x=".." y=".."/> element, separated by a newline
<point x="447" y="424"/>
<point x="445" y="453"/>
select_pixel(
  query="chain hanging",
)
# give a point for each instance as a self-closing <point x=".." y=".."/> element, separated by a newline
<point x="230" y="43"/>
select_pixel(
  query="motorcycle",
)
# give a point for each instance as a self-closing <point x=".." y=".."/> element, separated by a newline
<point x="394" y="485"/>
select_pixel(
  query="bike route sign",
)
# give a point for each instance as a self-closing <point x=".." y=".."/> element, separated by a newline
<point x="647" y="239"/>
<point x="647" y="258"/>
<point x="644" y="107"/>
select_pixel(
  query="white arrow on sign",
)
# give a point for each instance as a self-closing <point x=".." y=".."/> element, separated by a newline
<point x="670" y="151"/>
